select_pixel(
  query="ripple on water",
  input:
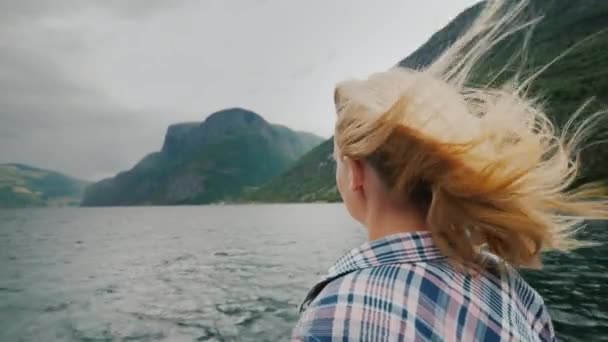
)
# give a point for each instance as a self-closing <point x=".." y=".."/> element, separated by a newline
<point x="246" y="312"/>
<point x="106" y="290"/>
<point x="229" y="309"/>
<point x="145" y="336"/>
<point x="57" y="307"/>
<point x="91" y="333"/>
<point x="193" y="323"/>
<point x="203" y="331"/>
<point x="248" y="318"/>
<point x="178" y="259"/>
<point x="571" y="319"/>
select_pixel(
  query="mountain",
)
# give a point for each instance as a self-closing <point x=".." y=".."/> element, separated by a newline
<point x="579" y="75"/>
<point x="27" y="186"/>
<point x="311" y="179"/>
<point x="206" y="162"/>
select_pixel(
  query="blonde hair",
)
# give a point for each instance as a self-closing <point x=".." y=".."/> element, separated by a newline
<point x="498" y="174"/>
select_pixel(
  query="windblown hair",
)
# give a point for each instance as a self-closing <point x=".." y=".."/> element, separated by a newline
<point x="496" y="173"/>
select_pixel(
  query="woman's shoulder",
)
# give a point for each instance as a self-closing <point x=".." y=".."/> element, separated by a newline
<point x="372" y="299"/>
<point x="363" y="286"/>
<point x="344" y="306"/>
<point x="428" y="278"/>
<point x="380" y="276"/>
<point x="400" y="295"/>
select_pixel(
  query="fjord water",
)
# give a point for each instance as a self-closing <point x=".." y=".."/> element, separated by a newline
<point x="213" y="273"/>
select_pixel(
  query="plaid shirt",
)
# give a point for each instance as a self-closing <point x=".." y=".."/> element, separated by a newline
<point x="400" y="288"/>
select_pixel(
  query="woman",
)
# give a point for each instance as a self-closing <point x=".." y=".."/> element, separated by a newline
<point x="457" y="186"/>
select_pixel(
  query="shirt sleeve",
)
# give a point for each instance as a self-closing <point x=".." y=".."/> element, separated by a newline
<point x="544" y="325"/>
<point x="316" y="323"/>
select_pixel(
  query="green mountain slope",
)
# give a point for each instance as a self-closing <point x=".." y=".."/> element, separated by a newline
<point x="26" y="186"/>
<point x="206" y="162"/>
<point x="578" y="76"/>
<point x="311" y="179"/>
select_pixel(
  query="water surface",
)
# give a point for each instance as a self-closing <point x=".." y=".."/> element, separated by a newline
<point x="214" y="273"/>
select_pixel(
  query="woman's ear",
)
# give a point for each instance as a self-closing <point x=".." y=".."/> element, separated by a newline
<point x="356" y="173"/>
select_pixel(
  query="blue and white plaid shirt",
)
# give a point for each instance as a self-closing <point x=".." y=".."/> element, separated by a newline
<point x="401" y="288"/>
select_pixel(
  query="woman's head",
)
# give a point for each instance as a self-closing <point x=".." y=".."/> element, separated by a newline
<point x="377" y="128"/>
<point x="483" y="165"/>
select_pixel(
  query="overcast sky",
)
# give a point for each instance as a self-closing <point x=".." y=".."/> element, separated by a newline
<point x="89" y="87"/>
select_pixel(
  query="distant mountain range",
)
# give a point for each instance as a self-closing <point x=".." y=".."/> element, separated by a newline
<point x="578" y="76"/>
<point x="214" y="161"/>
<point x="237" y="156"/>
<point x="26" y="186"/>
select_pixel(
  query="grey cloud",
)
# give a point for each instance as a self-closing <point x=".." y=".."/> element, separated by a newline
<point x="18" y="10"/>
<point x="136" y="8"/>
<point x="89" y="86"/>
<point x="50" y="120"/>
<point x="49" y="117"/>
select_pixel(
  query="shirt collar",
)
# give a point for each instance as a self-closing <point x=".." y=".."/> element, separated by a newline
<point x="400" y="248"/>
<point x="397" y="248"/>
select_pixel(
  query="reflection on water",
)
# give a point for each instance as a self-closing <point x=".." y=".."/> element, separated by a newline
<point x="211" y="273"/>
